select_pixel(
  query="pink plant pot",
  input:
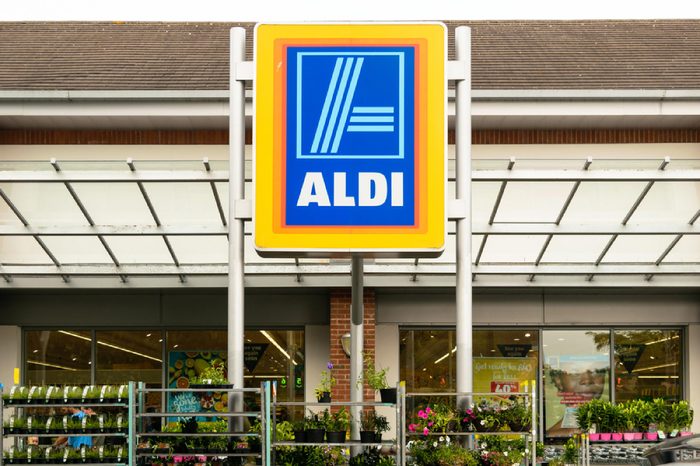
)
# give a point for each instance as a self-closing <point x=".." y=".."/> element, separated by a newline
<point x="594" y="437"/>
<point x="651" y="435"/>
<point x="638" y="435"/>
<point x="686" y="433"/>
<point x="616" y="436"/>
<point x="605" y="436"/>
<point x="627" y="436"/>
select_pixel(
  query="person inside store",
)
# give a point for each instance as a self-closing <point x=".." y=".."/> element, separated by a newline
<point x="77" y="441"/>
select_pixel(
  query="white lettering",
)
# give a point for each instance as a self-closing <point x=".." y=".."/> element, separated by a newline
<point x="340" y="198"/>
<point x="396" y="189"/>
<point x="367" y="181"/>
<point x="313" y="191"/>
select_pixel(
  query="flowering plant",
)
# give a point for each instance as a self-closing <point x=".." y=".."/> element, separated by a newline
<point x="485" y="416"/>
<point x="440" y="451"/>
<point x="501" y="451"/>
<point x="327" y="381"/>
<point x="440" y="418"/>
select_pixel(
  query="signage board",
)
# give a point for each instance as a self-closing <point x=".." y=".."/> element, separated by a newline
<point x="350" y="139"/>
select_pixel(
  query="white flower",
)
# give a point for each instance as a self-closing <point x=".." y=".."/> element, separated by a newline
<point x="505" y="453"/>
<point x="447" y="439"/>
<point x="471" y="406"/>
<point x="483" y="446"/>
<point x="483" y="422"/>
<point x="434" y="444"/>
<point x="442" y="439"/>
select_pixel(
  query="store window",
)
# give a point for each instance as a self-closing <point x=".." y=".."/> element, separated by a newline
<point x="123" y="356"/>
<point x="504" y="360"/>
<point x="647" y="364"/>
<point x="576" y="370"/>
<point x="57" y="357"/>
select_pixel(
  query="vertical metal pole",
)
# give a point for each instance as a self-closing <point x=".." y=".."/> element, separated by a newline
<point x="357" y="317"/>
<point x="236" y="288"/>
<point x="533" y="424"/>
<point x="463" y="142"/>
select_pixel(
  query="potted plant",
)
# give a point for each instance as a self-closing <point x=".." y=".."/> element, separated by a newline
<point x="213" y="376"/>
<point x="17" y="395"/>
<point x="583" y="420"/>
<point x="516" y="415"/>
<point x="570" y="453"/>
<point x="337" y="426"/>
<point x="315" y="429"/>
<point x="682" y="416"/>
<point x="299" y="429"/>
<point x="371" y="426"/>
<point x="618" y="421"/>
<point x="325" y="386"/>
<point x="658" y="412"/>
<point x="376" y="380"/>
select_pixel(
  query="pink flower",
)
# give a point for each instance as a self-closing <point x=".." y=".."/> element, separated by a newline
<point x="425" y="431"/>
<point x="430" y="424"/>
<point x="422" y="414"/>
<point x="412" y="427"/>
<point x="427" y="410"/>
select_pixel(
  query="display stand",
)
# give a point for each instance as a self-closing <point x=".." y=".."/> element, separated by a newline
<point x="154" y="454"/>
<point x="23" y="409"/>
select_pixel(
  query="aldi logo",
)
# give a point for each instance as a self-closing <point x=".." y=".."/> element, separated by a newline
<point x="350" y="138"/>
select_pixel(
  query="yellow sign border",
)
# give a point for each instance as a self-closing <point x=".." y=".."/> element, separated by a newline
<point x="428" y="238"/>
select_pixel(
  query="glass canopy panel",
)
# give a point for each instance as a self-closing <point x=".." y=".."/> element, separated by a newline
<point x="114" y="203"/>
<point x="512" y="249"/>
<point x="252" y="256"/>
<point x="78" y="250"/>
<point x="200" y="249"/>
<point x="483" y="199"/>
<point x="669" y="202"/>
<point x="574" y="248"/>
<point x="21" y="250"/>
<point x="44" y="203"/>
<point x="532" y="202"/>
<point x="476" y="244"/>
<point x="602" y="202"/>
<point x="183" y="203"/>
<point x="140" y="249"/>
<point x="686" y="250"/>
<point x="637" y="248"/>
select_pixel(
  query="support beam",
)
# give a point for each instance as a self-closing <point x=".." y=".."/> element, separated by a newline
<point x="673" y="243"/>
<point x="236" y="287"/>
<point x="215" y="192"/>
<point x="154" y="215"/>
<point x="87" y="216"/>
<point x="39" y="241"/>
<point x="6" y="277"/>
<point x="357" y="345"/>
<point x="463" y="170"/>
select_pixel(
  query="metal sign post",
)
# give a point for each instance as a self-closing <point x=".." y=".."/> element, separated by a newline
<point x="357" y="332"/>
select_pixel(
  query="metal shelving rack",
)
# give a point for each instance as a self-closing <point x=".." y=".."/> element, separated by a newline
<point x="138" y="416"/>
<point x="127" y="405"/>
<point x="531" y="434"/>
<point x="348" y="444"/>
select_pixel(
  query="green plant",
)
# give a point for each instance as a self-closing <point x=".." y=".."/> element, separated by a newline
<point x="681" y="415"/>
<point x="372" y="457"/>
<point x="570" y="453"/>
<point x="440" y="451"/>
<point x="440" y="418"/>
<point x="313" y="421"/>
<point x="215" y="374"/>
<point x="371" y="421"/>
<point x="598" y="414"/>
<point x="339" y="421"/>
<point x="285" y="431"/>
<point x="501" y="451"/>
<point x="516" y="414"/>
<point x="375" y="379"/>
<point x="658" y="414"/>
<point x="327" y="381"/>
<point x="583" y="417"/>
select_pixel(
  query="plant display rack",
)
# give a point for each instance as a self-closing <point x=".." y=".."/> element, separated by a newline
<point x="158" y="456"/>
<point x="353" y="443"/>
<point x="530" y="435"/>
<point x="57" y="397"/>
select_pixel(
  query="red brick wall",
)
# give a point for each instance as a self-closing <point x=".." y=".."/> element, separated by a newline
<point x="340" y="324"/>
<point x="480" y="136"/>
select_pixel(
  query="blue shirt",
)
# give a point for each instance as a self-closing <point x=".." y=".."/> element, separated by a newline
<point x="76" y="442"/>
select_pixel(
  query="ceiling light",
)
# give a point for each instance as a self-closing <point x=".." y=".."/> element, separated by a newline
<point x="35" y="351"/>
<point x="109" y="345"/>
<point x="527" y="335"/>
<point x="56" y="366"/>
<point x="493" y="350"/>
<point x="175" y="346"/>
<point x="516" y="339"/>
<point x="277" y="345"/>
<point x="148" y="335"/>
<point x="75" y="359"/>
<point x="561" y="339"/>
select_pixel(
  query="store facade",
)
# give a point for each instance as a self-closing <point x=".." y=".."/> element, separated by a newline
<point x="589" y="286"/>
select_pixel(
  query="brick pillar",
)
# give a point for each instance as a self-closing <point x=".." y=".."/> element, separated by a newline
<point x="340" y="325"/>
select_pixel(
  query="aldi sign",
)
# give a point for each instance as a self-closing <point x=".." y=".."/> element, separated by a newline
<point x="350" y="139"/>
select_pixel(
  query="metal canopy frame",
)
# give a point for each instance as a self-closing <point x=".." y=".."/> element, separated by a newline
<point x="416" y="273"/>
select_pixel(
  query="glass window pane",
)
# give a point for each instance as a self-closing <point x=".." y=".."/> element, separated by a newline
<point x="576" y="370"/>
<point x="124" y="356"/>
<point x="505" y="360"/>
<point x="57" y="357"/>
<point x="647" y="364"/>
<point x="427" y="360"/>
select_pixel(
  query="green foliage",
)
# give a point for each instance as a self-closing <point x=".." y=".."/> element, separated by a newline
<point x="215" y="374"/>
<point x="313" y="421"/>
<point x="327" y="381"/>
<point x="376" y="379"/>
<point x="372" y="457"/>
<point x="570" y="454"/>
<point x="310" y="456"/>
<point x="285" y="431"/>
<point x="501" y="451"/>
<point x="440" y="451"/>
<point x="681" y="415"/>
<point x="371" y="421"/>
<point x="339" y="421"/>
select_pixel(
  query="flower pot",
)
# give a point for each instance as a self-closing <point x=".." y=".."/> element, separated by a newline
<point x="388" y="395"/>
<point x="686" y="433"/>
<point x="651" y="436"/>
<point x="325" y="397"/>
<point x="300" y="436"/>
<point x="616" y="437"/>
<point x="594" y="437"/>
<point x="315" y="435"/>
<point x="638" y="436"/>
<point x="367" y="436"/>
<point x="628" y="436"/>
<point x="605" y="436"/>
<point x="335" y="436"/>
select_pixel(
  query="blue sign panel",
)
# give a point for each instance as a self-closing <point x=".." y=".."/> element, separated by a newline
<point x="350" y="155"/>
